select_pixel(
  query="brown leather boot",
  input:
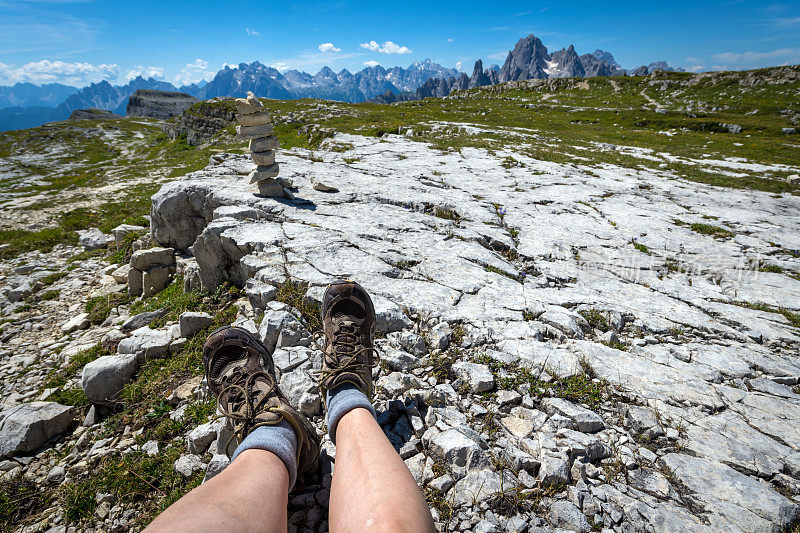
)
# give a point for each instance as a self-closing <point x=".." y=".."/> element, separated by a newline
<point x="348" y="322"/>
<point x="240" y="371"/>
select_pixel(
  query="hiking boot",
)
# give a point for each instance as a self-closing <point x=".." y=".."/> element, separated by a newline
<point x="240" y="371"/>
<point x="348" y="323"/>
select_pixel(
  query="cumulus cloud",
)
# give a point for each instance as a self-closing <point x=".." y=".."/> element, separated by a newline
<point x="46" y="71"/>
<point x="328" y="47"/>
<point x="280" y="65"/>
<point x="450" y="40"/>
<point x="371" y="63"/>
<point x="459" y="66"/>
<point x="145" y="72"/>
<point x="252" y="33"/>
<point x="194" y="72"/>
<point x="386" y="48"/>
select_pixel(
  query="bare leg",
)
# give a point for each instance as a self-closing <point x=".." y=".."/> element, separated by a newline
<point x="372" y="488"/>
<point x="250" y="495"/>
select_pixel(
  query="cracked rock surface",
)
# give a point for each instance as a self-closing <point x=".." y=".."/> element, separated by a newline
<point x="556" y="270"/>
<point x="563" y="347"/>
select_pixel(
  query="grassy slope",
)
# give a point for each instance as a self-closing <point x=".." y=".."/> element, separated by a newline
<point x="556" y="120"/>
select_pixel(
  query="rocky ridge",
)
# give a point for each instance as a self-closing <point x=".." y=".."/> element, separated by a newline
<point x="158" y="104"/>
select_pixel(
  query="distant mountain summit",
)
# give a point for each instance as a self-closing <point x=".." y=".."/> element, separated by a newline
<point x="527" y="61"/>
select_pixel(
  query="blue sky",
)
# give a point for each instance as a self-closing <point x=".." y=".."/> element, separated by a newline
<point x="82" y="41"/>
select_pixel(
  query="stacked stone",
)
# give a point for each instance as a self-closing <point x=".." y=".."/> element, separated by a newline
<point x="150" y="271"/>
<point x="255" y="125"/>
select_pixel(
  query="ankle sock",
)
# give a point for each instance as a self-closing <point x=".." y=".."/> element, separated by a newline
<point x="280" y="440"/>
<point x="341" y="400"/>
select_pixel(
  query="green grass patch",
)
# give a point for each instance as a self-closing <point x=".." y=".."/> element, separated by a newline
<point x="59" y="376"/>
<point x="579" y="387"/>
<point x="793" y="318"/>
<point x="135" y="478"/>
<point x="641" y="247"/>
<point x="174" y="299"/>
<point x="99" y="307"/>
<point x="293" y="293"/>
<point x="714" y="231"/>
<point x="52" y="278"/>
<point x="596" y="318"/>
<point x="446" y="213"/>
<point x="21" y="500"/>
<point x="51" y="294"/>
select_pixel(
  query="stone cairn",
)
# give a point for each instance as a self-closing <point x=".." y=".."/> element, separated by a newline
<point x="255" y="125"/>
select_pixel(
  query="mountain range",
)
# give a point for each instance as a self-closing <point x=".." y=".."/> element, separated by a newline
<point x="25" y="105"/>
<point x="528" y="60"/>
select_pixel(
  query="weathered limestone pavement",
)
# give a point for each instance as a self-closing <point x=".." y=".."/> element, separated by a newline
<point x="255" y="125"/>
<point x="478" y="272"/>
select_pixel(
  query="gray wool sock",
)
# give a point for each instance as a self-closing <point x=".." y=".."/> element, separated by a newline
<point x="280" y="440"/>
<point x="341" y="401"/>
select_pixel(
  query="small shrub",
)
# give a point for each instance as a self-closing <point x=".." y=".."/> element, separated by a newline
<point x="446" y="213"/>
<point x="596" y="319"/>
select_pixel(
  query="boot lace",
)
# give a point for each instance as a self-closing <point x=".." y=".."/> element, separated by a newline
<point x="347" y="348"/>
<point x="239" y="402"/>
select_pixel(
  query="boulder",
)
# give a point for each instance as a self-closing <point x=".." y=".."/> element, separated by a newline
<point x="156" y="279"/>
<point x="122" y="231"/>
<point x="186" y="465"/>
<point x="585" y="420"/>
<point x="93" y="239"/>
<point x="271" y="326"/>
<point x="135" y="280"/>
<point x="477" y="487"/>
<point x="152" y="257"/>
<point x="192" y="323"/>
<point x="457" y="449"/>
<point x="302" y="391"/>
<point x="200" y="438"/>
<point x="142" y="319"/>
<point x="79" y="321"/>
<point x="146" y="343"/>
<point x="217" y="464"/>
<point x="564" y="514"/>
<point x="26" y="427"/>
<point x="103" y="379"/>
<point x="478" y="377"/>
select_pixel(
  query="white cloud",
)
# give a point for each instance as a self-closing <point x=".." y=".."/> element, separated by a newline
<point x="280" y="65"/>
<point x="386" y="48"/>
<point x="450" y="40"/>
<point x="252" y="33"/>
<point x="46" y="71"/>
<point x="146" y="72"/>
<point x="762" y="59"/>
<point x="194" y="72"/>
<point x="328" y="47"/>
<point x="371" y="63"/>
<point x="459" y="66"/>
<point x="696" y="68"/>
